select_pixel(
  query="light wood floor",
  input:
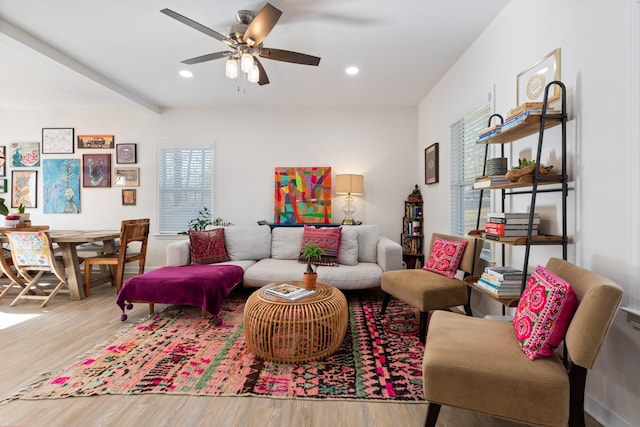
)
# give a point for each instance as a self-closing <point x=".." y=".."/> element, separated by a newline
<point x="65" y="330"/>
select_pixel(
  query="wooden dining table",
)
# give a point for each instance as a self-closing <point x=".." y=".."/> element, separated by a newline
<point x="68" y="241"/>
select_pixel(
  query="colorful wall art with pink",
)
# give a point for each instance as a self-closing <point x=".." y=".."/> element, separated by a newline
<point x="302" y="195"/>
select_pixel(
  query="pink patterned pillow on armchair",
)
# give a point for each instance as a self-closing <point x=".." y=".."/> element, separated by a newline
<point x="445" y="256"/>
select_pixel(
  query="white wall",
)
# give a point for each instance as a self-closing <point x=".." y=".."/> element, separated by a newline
<point x="249" y="143"/>
<point x="594" y="37"/>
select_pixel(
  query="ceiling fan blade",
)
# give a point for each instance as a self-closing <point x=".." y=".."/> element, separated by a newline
<point x="207" y="57"/>
<point x="289" y="56"/>
<point x="261" y="25"/>
<point x="193" y="24"/>
<point x="262" y="79"/>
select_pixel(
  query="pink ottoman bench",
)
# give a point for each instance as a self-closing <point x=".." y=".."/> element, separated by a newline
<point x="197" y="285"/>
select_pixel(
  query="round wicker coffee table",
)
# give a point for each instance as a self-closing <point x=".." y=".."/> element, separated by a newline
<point x="283" y="331"/>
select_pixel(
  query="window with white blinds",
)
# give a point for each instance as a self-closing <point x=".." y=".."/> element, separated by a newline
<point x="467" y="160"/>
<point x="185" y="180"/>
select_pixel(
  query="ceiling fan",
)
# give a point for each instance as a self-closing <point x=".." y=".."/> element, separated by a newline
<point x="245" y="40"/>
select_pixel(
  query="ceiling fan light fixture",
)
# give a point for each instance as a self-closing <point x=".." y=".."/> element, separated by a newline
<point x="231" y="68"/>
<point x="254" y="74"/>
<point x="246" y="62"/>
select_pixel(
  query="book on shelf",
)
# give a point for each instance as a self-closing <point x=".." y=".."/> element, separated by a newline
<point x="499" y="283"/>
<point x="496" y="292"/>
<point x="534" y="108"/>
<point x="497" y="238"/>
<point x="500" y="227"/>
<point x="510" y="214"/>
<point x="290" y="292"/>
<point x="508" y="233"/>
<point x="489" y="132"/>
<point x="489" y="180"/>
<point x="504" y="272"/>
<point x="513" y="221"/>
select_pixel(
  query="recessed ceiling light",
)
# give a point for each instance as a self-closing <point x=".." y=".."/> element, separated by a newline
<point x="352" y="71"/>
<point x="186" y="74"/>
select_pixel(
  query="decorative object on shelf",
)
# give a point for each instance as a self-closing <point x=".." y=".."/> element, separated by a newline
<point x="126" y="153"/>
<point x="57" y="140"/>
<point x="61" y="180"/>
<point x="24" y="188"/>
<point x="431" y="172"/>
<point x="302" y="195"/>
<point x="96" y="141"/>
<point x="96" y="170"/>
<point x="350" y="185"/>
<point x="25" y="154"/>
<point x="129" y="197"/>
<point x="127" y="177"/>
<point x="531" y="82"/>
<point x="524" y="172"/>
<point x="496" y="166"/>
<point x="310" y="253"/>
<point x="22" y="215"/>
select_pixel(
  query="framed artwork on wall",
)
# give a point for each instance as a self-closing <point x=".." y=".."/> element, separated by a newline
<point x="126" y="153"/>
<point x="431" y="175"/>
<point x="4" y="186"/>
<point x="127" y="177"/>
<point x="302" y="195"/>
<point x="95" y="141"/>
<point x="24" y="188"/>
<point x="3" y="160"/>
<point x="96" y="170"/>
<point x="61" y="186"/>
<point x="57" y="140"/>
<point x="532" y="81"/>
<point x="25" y="154"/>
<point x="129" y="197"/>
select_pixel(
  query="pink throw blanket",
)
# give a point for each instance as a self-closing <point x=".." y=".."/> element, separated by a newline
<point x="196" y="285"/>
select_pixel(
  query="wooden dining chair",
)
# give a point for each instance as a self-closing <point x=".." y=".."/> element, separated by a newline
<point x="7" y="269"/>
<point x="33" y="252"/>
<point x="132" y="231"/>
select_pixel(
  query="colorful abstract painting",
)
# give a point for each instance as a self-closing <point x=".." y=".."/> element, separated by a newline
<point x="302" y="195"/>
<point x="61" y="185"/>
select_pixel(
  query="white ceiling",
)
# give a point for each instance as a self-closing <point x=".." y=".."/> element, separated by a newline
<point x="77" y="53"/>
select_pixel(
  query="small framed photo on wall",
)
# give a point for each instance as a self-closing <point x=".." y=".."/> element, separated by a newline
<point x="57" y="140"/>
<point x="129" y="197"/>
<point x="126" y="153"/>
<point x="431" y="164"/>
<point x="96" y="170"/>
<point x="24" y="188"/>
<point x="127" y="177"/>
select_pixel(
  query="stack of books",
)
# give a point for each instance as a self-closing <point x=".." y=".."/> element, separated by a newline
<point x="502" y="282"/>
<point x="509" y="226"/>
<point x="534" y="108"/>
<point x="489" y="181"/>
<point x="289" y="292"/>
<point x="489" y="132"/>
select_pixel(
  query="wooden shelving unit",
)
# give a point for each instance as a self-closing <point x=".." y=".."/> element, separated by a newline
<point x="412" y="237"/>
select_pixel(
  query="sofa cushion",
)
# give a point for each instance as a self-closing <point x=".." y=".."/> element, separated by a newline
<point x="286" y="242"/>
<point x="445" y="256"/>
<point x="348" y="252"/>
<point x="544" y="312"/>
<point x="207" y="247"/>
<point x="248" y="242"/>
<point x="327" y="238"/>
<point x="368" y="236"/>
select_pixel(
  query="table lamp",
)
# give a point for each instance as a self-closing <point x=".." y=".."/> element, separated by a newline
<point x="350" y="185"/>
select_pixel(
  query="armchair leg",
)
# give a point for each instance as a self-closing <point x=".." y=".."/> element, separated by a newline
<point x="577" y="380"/>
<point x="432" y="415"/>
<point x="424" y="317"/>
<point x="385" y="303"/>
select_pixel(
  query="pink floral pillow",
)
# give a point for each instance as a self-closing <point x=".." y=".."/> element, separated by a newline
<point x="445" y="256"/>
<point x="544" y="313"/>
<point x="207" y="247"/>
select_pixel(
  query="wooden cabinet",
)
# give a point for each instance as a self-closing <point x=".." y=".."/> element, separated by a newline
<point x="556" y="182"/>
<point x="412" y="237"/>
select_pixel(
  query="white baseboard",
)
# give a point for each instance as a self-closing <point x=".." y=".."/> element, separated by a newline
<point x="602" y="414"/>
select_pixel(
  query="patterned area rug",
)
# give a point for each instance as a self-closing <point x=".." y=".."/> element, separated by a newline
<point x="178" y="351"/>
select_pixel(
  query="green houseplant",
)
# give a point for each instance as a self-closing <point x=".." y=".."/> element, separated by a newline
<point x="203" y="220"/>
<point x="310" y="252"/>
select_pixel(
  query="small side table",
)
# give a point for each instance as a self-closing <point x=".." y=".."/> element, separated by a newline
<point x="300" y="331"/>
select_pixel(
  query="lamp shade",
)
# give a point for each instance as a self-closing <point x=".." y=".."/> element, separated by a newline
<point x="349" y="184"/>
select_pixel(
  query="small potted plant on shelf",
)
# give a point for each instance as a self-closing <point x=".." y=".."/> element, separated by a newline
<point x="310" y="252"/>
<point x="22" y="215"/>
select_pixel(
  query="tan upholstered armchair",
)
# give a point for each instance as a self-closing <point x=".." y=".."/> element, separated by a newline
<point x="477" y="364"/>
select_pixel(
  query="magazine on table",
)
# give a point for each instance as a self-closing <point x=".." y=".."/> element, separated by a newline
<point x="290" y="292"/>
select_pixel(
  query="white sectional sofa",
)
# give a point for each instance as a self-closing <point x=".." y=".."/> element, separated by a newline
<point x="269" y="255"/>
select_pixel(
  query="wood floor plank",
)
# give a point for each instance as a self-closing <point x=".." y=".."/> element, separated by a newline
<point x="65" y="330"/>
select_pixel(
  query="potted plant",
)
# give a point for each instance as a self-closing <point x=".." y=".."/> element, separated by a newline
<point x="203" y="220"/>
<point x="311" y="252"/>
<point x="22" y="214"/>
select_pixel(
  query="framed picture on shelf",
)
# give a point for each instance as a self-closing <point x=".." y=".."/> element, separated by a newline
<point x="24" y="188"/>
<point x="95" y="141"/>
<point x="3" y="160"/>
<point x="127" y="177"/>
<point x="57" y="140"/>
<point x="129" y="197"/>
<point x="96" y="170"/>
<point x="126" y="153"/>
<point x="531" y="82"/>
<point x="431" y="164"/>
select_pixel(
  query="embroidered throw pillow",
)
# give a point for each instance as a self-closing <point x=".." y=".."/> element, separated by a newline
<point x="445" y="256"/>
<point x="545" y="309"/>
<point x="207" y="247"/>
<point x="327" y="238"/>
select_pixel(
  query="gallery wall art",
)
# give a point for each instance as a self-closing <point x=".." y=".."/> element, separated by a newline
<point x="61" y="178"/>
<point x="302" y="195"/>
<point x="25" y="154"/>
